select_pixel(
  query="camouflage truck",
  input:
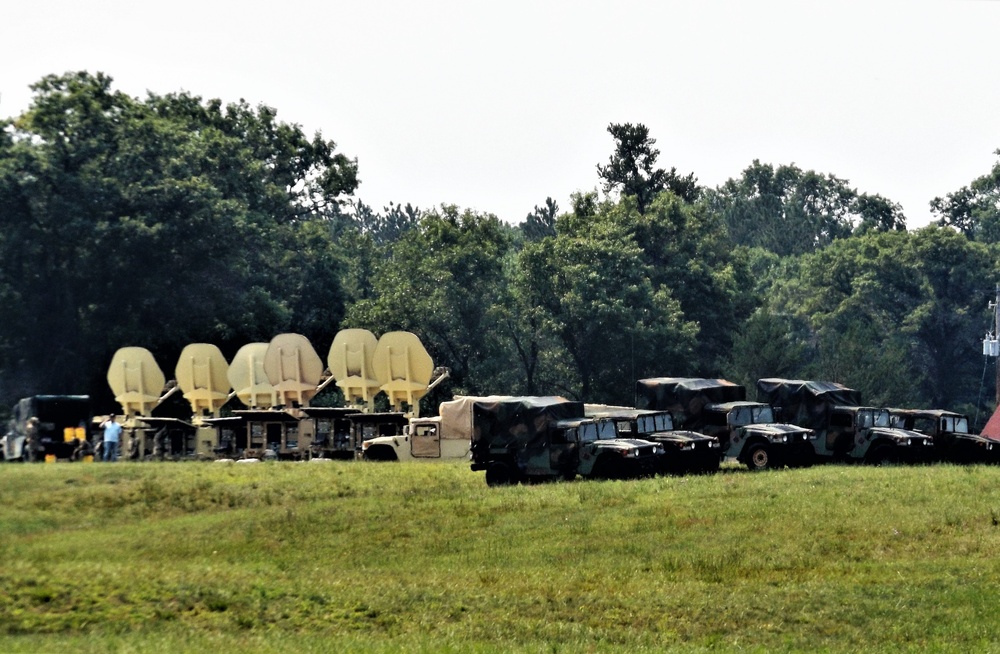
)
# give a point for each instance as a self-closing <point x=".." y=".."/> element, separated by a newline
<point x="445" y="436"/>
<point x="847" y="431"/>
<point x="48" y="425"/>
<point x="747" y="431"/>
<point x="538" y="438"/>
<point x="684" y="451"/>
<point x="950" y="433"/>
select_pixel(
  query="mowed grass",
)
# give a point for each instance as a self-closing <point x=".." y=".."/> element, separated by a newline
<point x="282" y="557"/>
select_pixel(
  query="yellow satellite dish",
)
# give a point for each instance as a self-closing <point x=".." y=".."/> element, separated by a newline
<point x="201" y="374"/>
<point x="350" y="362"/>
<point x="293" y="368"/>
<point x="136" y="380"/>
<point x="404" y="369"/>
<point x="247" y="377"/>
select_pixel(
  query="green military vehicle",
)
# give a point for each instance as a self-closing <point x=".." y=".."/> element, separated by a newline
<point x="847" y="431"/>
<point x="684" y="451"/>
<point x="747" y="431"/>
<point x="48" y="425"/>
<point x="540" y="438"/>
<point x="950" y="433"/>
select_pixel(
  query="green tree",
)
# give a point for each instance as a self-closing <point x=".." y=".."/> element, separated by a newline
<point x="897" y="315"/>
<point x="631" y="168"/>
<point x="597" y="298"/>
<point x="541" y="222"/>
<point x="790" y="211"/>
<point x="441" y="280"/>
<point x="155" y="223"/>
<point x="974" y="210"/>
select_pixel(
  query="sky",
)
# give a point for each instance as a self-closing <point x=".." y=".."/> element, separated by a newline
<point x="496" y="106"/>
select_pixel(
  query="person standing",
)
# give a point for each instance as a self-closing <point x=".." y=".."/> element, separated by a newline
<point x="112" y="436"/>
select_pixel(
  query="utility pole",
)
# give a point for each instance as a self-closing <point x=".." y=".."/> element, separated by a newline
<point x="996" y="334"/>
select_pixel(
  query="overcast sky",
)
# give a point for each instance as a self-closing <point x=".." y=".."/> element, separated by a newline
<point x="496" y="106"/>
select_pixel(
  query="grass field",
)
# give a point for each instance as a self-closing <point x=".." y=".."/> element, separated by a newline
<point x="281" y="557"/>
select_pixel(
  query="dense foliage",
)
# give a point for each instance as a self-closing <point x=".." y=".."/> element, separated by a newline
<point x="172" y="219"/>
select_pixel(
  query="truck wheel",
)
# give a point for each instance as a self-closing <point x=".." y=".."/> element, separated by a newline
<point x="880" y="455"/>
<point x="499" y="474"/>
<point x="758" y="457"/>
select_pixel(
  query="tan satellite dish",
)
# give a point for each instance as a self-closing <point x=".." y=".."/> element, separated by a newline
<point x="201" y="374"/>
<point x="247" y="377"/>
<point x="293" y="368"/>
<point x="136" y="380"/>
<point x="350" y="362"/>
<point x="404" y="368"/>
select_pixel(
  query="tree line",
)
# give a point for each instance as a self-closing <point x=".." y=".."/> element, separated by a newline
<point x="171" y="219"/>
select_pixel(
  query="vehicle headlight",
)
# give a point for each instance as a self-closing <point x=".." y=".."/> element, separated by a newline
<point x="687" y="446"/>
<point x="658" y="449"/>
<point x="715" y="444"/>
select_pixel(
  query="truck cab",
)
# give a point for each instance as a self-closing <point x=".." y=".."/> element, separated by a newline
<point x="750" y="434"/>
<point x="422" y="439"/>
<point x="683" y="451"/>
<point x="866" y="434"/>
<point x="950" y="433"/>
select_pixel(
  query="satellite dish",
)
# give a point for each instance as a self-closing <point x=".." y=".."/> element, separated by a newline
<point x="293" y="368"/>
<point x="246" y="375"/>
<point x="136" y="380"/>
<point x="404" y="369"/>
<point x="350" y="362"/>
<point x="201" y="375"/>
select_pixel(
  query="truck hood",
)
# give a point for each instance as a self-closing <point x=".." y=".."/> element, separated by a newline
<point x="680" y="436"/>
<point x="778" y="429"/>
<point x="621" y="444"/>
<point x="897" y="434"/>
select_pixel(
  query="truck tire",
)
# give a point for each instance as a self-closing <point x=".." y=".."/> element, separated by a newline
<point x="499" y="474"/>
<point x="758" y="457"/>
<point x="880" y="455"/>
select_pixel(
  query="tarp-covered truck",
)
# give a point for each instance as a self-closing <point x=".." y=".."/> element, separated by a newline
<point x="747" y="431"/>
<point x="535" y="438"/>
<point x="48" y="425"/>
<point x="445" y="436"/>
<point x="847" y="431"/>
<point x="684" y="451"/>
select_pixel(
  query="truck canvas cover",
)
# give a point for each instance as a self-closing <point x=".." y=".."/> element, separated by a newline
<point x="519" y="421"/>
<point x="685" y="397"/>
<point x="456" y="415"/>
<point x="806" y="403"/>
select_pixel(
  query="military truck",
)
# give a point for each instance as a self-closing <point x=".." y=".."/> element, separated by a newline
<point x="747" y="431"/>
<point x="542" y="438"/>
<point x="950" y="433"/>
<point x="847" y="431"/>
<point x="445" y="436"/>
<point x="684" y="451"/>
<point x="48" y="425"/>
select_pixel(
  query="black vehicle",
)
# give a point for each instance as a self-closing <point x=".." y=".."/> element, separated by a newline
<point x="950" y="433"/>
<point x="684" y="451"/>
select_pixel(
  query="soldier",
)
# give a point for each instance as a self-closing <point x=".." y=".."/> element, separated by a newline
<point x="31" y="439"/>
<point x="160" y="443"/>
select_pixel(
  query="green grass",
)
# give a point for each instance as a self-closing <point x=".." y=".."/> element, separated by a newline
<point x="424" y="557"/>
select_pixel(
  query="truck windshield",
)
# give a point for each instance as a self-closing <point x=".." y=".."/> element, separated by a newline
<point x="751" y="415"/>
<point x="606" y="430"/>
<point x="587" y="432"/>
<point x="882" y="418"/>
<point x="865" y="419"/>
<point x="956" y="425"/>
<point x="654" y="423"/>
